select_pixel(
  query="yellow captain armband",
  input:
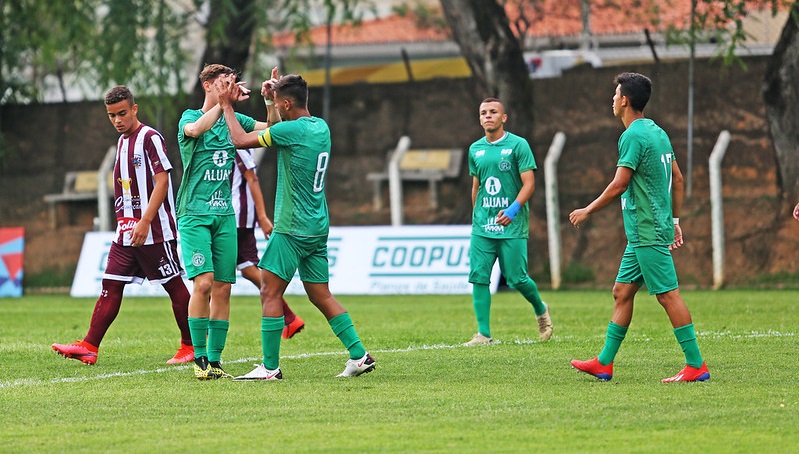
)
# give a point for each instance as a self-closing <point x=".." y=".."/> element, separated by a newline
<point x="264" y="138"/>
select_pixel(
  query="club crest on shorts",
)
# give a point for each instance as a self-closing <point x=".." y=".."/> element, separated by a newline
<point x="198" y="259"/>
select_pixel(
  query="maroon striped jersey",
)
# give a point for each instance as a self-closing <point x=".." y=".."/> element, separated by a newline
<point x="243" y="204"/>
<point x="140" y="156"/>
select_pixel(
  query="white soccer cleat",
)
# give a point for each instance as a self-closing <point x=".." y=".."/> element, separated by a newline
<point x="262" y="373"/>
<point x="479" y="339"/>
<point x="545" y="325"/>
<point x="355" y="367"/>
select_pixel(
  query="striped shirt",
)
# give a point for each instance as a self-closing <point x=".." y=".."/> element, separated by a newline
<point x="243" y="203"/>
<point x="140" y="156"/>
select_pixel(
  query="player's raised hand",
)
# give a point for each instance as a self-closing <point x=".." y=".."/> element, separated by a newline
<point x="268" y="87"/>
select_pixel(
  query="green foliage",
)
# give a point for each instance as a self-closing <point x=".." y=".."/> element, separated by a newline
<point x="42" y="39"/>
<point x="138" y="43"/>
<point x="428" y="393"/>
<point x="722" y="22"/>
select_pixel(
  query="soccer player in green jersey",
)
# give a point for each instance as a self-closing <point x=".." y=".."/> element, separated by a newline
<point x="650" y="184"/>
<point x="299" y="238"/>
<point x="206" y="220"/>
<point x="501" y="165"/>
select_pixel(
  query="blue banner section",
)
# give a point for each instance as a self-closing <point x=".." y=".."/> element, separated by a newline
<point x="12" y="245"/>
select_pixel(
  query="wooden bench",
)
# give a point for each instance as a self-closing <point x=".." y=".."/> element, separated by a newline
<point x="79" y="186"/>
<point x="431" y="165"/>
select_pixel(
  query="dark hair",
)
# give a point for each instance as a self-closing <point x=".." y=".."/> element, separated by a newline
<point x="214" y="70"/>
<point x="492" y="99"/>
<point x="636" y="87"/>
<point x="293" y="86"/>
<point x="117" y="94"/>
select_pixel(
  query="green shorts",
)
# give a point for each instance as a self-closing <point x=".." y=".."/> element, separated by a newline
<point x="483" y="252"/>
<point x="650" y="265"/>
<point x="285" y="254"/>
<point x="209" y="245"/>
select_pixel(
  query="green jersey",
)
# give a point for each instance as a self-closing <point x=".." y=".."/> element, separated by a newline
<point x="498" y="167"/>
<point x="303" y="153"/>
<point x="646" y="204"/>
<point x="207" y="165"/>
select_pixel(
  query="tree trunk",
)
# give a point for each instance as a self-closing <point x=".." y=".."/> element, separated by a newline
<point x="781" y="97"/>
<point x="494" y="54"/>
<point x="229" y="33"/>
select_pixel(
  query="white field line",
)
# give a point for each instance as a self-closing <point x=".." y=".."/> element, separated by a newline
<point x="37" y="382"/>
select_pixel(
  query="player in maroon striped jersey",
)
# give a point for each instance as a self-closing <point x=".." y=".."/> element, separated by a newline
<point x="145" y="244"/>
<point x="248" y="203"/>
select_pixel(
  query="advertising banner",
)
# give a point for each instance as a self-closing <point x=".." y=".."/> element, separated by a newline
<point x="12" y="244"/>
<point x="374" y="260"/>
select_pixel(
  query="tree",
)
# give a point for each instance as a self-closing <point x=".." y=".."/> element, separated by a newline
<point x="781" y="96"/>
<point x="723" y="19"/>
<point x="94" y="44"/>
<point x="230" y="28"/>
<point x="494" y="54"/>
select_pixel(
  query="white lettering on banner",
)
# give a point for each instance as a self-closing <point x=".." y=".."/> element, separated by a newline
<point x="363" y="260"/>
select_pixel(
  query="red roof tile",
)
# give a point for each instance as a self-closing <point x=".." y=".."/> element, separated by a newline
<point x="548" y="18"/>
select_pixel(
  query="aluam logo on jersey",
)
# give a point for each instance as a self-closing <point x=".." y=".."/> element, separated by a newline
<point x="493" y="187"/>
<point x="220" y="159"/>
<point x="216" y="175"/>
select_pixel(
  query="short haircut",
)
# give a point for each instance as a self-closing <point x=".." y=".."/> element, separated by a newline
<point x="214" y="70"/>
<point x="293" y="86"/>
<point x="492" y="99"/>
<point x="117" y="94"/>
<point x="636" y="87"/>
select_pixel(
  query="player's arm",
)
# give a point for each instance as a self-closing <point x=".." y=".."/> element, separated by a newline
<point x="258" y="198"/>
<point x="475" y="188"/>
<point x="142" y="228"/>
<point x="268" y="92"/>
<point x="528" y="187"/>
<point x="204" y="123"/>
<point x="616" y="188"/>
<point x="677" y="193"/>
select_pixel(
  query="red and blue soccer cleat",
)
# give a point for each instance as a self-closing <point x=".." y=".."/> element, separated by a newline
<point x="593" y="367"/>
<point x="690" y="373"/>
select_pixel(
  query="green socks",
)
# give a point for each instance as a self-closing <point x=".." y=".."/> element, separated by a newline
<point x="271" y="330"/>
<point x="208" y="337"/>
<point x="343" y="329"/>
<point x="198" y="327"/>
<point x="529" y="291"/>
<point x="481" y="298"/>
<point x="687" y="339"/>
<point x="613" y="339"/>
<point x="217" y="335"/>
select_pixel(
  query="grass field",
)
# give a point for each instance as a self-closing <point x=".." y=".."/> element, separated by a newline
<point x="428" y="394"/>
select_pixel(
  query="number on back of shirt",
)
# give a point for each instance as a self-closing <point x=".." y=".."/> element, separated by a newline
<point x="321" y="169"/>
<point x="666" y="160"/>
